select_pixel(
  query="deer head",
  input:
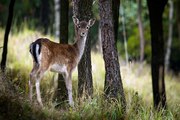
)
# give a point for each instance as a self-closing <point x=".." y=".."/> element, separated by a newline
<point x="82" y="27"/>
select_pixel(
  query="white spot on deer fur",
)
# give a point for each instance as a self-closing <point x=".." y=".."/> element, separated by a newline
<point x="37" y="53"/>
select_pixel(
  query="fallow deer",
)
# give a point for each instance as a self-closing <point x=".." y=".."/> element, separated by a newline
<point x="56" y="57"/>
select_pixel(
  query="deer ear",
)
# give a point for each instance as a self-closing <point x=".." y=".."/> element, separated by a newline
<point x="91" y="22"/>
<point x="75" y="20"/>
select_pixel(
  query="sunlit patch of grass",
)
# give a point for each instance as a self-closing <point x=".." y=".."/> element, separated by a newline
<point x="137" y="85"/>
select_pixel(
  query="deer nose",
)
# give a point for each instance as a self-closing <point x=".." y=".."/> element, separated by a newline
<point x="82" y="34"/>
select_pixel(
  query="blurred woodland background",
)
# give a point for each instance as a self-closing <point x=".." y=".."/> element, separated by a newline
<point x="138" y="51"/>
<point x="40" y="15"/>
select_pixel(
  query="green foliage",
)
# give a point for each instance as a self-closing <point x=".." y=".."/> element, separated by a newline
<point x="132" y="32"/>
<point x="138" y="90"/>
<point x="174" y="59"/>
<point x="134" y="45"/>
<point x="28" y="12"/>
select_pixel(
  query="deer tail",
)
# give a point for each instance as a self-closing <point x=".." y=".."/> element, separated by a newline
<point x="35" y="50"/>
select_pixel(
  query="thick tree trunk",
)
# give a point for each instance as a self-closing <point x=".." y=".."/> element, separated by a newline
<point x="115" y="9"/>
<point x="61" y="93"/>
<point x="8" y="27"/>
<point x="141" y="32"/>
<point x="45" y="15"/>
<point x="82" y="9"/>
<point x="113" y="83"/>
<point x="156" y="9"/>
<point x="169" y="42"/>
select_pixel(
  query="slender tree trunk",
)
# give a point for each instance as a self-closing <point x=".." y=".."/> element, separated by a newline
<point x="169" y="42"/>
<point x="113" y="83"/>
<point x="45" y="15"/>
<point x="61" y="92"/>
<point x="57" y="19"/>
<point x="82" y="9"/>
<point x="8" y="27"/>
<point x="178" y="17"/>
<point x="156" y="9"/>
<point x="99" y="43"/>
<point x="115" y="9"/>
<point x="141" y="31"/>
<point x="124" y="33"/>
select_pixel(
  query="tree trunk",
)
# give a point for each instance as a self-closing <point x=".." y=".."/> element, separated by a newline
<point x="141" y="32"/>
<point x="57" y="19"/>
<point x="169" y="42"/>
<point x="45" y="15"/>
<point x="124" y="33"/>
<point x="61" y="93"/>
<point x="82" y="9"/>
<point x="113" y="83"/>
<point x="8" y="27"/>
<point x="115" y="9"/>
<point x="156" y="9"/>
<point x="178" y="17"/>
<point x="99" y="43"/>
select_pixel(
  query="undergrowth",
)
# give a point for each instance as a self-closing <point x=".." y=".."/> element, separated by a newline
<point x="14" y="102"/>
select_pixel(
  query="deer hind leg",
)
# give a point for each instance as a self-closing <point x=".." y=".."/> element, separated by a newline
<point x="30" y="87"/>
<point x="68" y="82"/>
<point x="37" y="84"/>
<point x="31" y="81"/>
<point x="35" y="76"/>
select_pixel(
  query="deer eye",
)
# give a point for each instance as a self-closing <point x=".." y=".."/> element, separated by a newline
<point x="79" y="26"/>
<point x="87" y="27"/>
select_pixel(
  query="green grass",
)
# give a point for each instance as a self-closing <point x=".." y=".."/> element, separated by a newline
<point x="137" y="85"/>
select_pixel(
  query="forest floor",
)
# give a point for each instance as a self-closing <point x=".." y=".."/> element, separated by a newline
<point x="14" y="103"/>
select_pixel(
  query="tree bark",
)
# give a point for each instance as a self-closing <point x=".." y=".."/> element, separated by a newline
<point x="169" y="42"/>
<point x="141" y="32"/>
<point x="156" y="9"/>
<point x="45" y="15"/>
<point x="115" y="9"/>
<point x="61" y="93"/>
<point x="82" y="9"/>
<point x="8" y="27"/>
<point x="113" y="84"/>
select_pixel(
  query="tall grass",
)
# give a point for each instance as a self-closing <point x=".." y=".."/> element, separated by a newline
<point x="137" y="85"/>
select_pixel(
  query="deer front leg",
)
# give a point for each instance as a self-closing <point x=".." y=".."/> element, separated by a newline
<point x="68" y="82"/>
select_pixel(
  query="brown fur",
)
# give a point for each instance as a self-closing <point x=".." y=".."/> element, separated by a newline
<point x="61" y="58"/>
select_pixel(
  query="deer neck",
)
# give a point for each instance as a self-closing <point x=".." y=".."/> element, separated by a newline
<point x="80" y="45"/>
